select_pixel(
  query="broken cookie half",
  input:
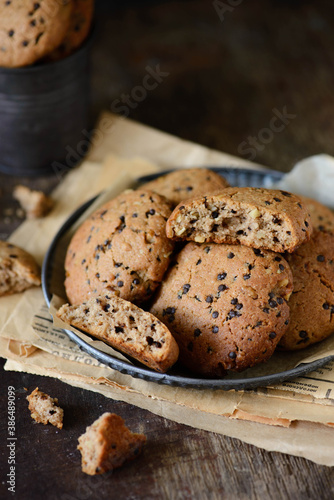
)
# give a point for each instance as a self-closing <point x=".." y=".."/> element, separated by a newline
<point x="255" y="217"/>
<point x="125" y="327"/>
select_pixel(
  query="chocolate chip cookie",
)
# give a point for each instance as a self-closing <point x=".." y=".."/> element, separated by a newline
<point x="121" y="249"/>
<point x="255" y="217"/>
<point x="321" y="216"/>
<point x="312" y="301"/>
<point x="226" y="306"/>
<point x="183" y="184"/>
<point x="18" y="269"/>
<point x="30" y="30"/>
<point x="80" y="25"/>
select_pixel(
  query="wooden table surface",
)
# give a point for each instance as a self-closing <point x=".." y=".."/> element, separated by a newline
<point x="232" y="67"/>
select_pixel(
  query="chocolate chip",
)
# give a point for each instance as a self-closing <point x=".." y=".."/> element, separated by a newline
<point x="282" y="268"/>
<point x="83" y="261"/>
<point x="239" y="307"/>
<point x="288" y="232"/>
<point x="222" y="288"/>
<point x="278" y="200"/>
<point x="119" y="329"/>
<point x="285" y="193"/>
<point x="233" y="211"/>
<point x="267" y="203"/>
<point x="170" y="310"/>
<point x="207" y="249"/>
<point x="280" y="301"/>
<point x="247" y="276"/>
<point x="97" y="275"/>
<point x="231" y="255"/>
<point x="209" y="299"/>
<point x="272" y="303"/>
<point x="321" y="258"/>
<point x="118" y="264"/>
<point x="257" y="252"/>
<point x="189" y="188"/>
<point x="215" y="314"/>
<point x="150" y="212"/>
<point x="300" y="205"/>
<point x="120" y="284"/>
<point x="136" y="281"/>
<point x="287" y="322"/>
<point x="306" y="224"/>
<point x="215" y="214"/>
<point x="215" y="329"/>
<point x="197" y="332"/>
<point x="266" y="310"/>
<point x="234" y="302"/>
<point x="89" y="238"/>
<point x="106" y="307"/>
<point x="11" y="33"/>
<point x="198" y="262"/>
<point x="134" y="215"/>
<point x="272" y="335"/>
<point x="326" y="306"/>
<point x="221" y="276"/>
<point x="25" y="43"/>
<point x="232" y="355"/>
<point x="186" y="288"/>
<point x="276" y="220"/>
<point x="278" y="259"/>
<point x="302" y="334"/>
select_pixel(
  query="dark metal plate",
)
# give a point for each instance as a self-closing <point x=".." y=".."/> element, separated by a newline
<point x="178" y="376"/>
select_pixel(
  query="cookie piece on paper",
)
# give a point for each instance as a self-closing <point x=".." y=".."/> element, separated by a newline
<point x="18" y="269"/>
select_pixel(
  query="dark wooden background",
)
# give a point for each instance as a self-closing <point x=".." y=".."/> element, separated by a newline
<point x="226" y="78"/>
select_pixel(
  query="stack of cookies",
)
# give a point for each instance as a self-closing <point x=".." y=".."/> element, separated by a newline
<point x="233" y="273"/>
<point x="32" y="32"/>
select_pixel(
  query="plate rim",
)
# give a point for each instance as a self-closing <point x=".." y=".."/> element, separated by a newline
<point x="146" y="373"/>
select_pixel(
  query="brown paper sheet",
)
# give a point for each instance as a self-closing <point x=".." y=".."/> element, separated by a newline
<point x="49" y="351"/>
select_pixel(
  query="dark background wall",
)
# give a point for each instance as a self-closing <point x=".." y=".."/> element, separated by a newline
<point x="229" y="68"/>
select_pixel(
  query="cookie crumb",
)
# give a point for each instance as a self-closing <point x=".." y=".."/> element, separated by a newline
<point x="35" y="203"/>
<point x="44" y="409"/>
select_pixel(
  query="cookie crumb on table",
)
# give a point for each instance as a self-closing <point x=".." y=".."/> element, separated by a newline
<point x="108" y="444"/>
<point x="34" y="203"/>
<point x="18" y="269"/>
<point x="44" y="409"/>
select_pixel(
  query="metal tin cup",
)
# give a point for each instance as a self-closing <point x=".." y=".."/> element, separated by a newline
<point x="44" y="113"/>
